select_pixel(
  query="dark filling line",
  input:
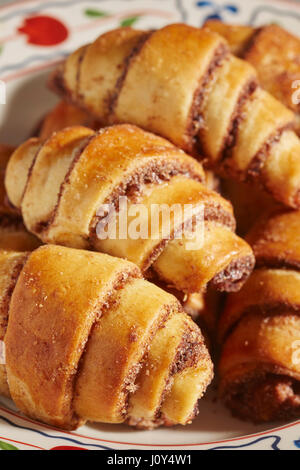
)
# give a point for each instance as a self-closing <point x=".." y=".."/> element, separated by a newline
<point x="127" y="63"/>
<point x="278" y="263"/>
<point x="157" y="171"/>
<point x="196" y="120"/>
<point x="235" y="275"/>
<point x="11" y="221"/>
<point x="6" y="297"/>
<point x="264" y="396"/>
<point x="251" y="42"/>
<point x="189" y="353"/>
<point x="211" y="213"/>
<point x="45" y="224"/>
<point x="121" y="280"/>
<point x="236" y="119"/>
<point x="265" y="310"/>
<point x="31" y="170"/>
<point x="129" y="386"/>
<point x="259" y="160"/>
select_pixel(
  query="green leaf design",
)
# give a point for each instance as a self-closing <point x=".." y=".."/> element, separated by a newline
<point x="95" y="13"/>
<point x="5" y="446"/>
<point x="1" y="49"/>
<point x="129" y="21"/>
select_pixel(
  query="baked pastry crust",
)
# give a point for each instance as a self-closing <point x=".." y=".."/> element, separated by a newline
<point x="64" y="115"/>
<point x="13" y="235"/>
<point x="266" y="49"/>
<point x="182" y="83"/>
<point x="260" y="328"/>
<point x="87" y="338"/>
<point x="60" y="184"/>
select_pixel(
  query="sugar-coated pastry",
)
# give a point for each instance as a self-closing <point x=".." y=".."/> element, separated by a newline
<point x="266" y="49"/>
<point x="88" y="339"/>
<point x="260" y="327"/>
<point x="64" y="115"/>
<point x="60" y="184"/>
<point x="13" y="235"/>
<point x="184" y="84"/>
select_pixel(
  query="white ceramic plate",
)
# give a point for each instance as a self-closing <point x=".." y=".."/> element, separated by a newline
<point x="27" y="54"/>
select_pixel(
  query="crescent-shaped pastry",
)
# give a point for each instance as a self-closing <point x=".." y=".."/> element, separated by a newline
<point x="260" y="328"/>
<point x="60" y="184"/>
<point x="184" y="84"/>
<point x="88" y="339"/>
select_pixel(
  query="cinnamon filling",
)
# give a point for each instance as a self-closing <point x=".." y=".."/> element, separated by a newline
<point x="196" y="120"/>
<point x="260" y="158"/>
<point x="236" y="119"/>
<point x="268" y="397"/>
<point x="231" y="279"/>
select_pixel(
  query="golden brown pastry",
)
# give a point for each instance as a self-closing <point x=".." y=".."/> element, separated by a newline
<point x="182" y="83"/>
<point x="88" y="339"/>
<point x="260" y="327"/>
<point x="237" y="36"/>
<point x="5" y="154"/>
<point x="249" y="202"/>
<point x="13" y="235"/>
<point x="59" y="186"/>
<point x="203" y="307"/>
<point x="64" y="115"/>
<point x="273" y="51"/>
<point x="277" y="70"/>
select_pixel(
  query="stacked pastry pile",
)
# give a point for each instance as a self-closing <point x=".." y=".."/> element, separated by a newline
<point x="127" y="352"/>
<point x="102" y="345"/>
<point x="106" y="345"/>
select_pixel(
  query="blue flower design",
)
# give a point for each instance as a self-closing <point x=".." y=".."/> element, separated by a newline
<point x="271" y="442"/>
<point x="297" y="443"/>
<point x="217" y="10"/>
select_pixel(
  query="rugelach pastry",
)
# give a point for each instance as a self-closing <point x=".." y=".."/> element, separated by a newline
<point x="273" y="51"/>
<point x="59" y="186"/>
<point x="184" y="84"/>
<point x="259" y="367"/>
<point x="13" y="235"/>
<point x="64" y="115"/>
<point x="88" y="339"/>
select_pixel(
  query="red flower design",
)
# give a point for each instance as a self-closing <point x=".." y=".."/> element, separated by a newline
<point x="44" y="30"/>
<point x="67" y="448"/>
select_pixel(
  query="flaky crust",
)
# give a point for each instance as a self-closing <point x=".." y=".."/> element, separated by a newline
<point x="64" y="115"/>
<point x="65" y="180"/>
<point x="260" y="328"/>
<point x="250" y="203"/>
<point x="265" y="48"/>
<point x="237" y="36"/>
<point x="87" y="338"/>
<point x="13" y="235"/>
<point x="183" y="84"/>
